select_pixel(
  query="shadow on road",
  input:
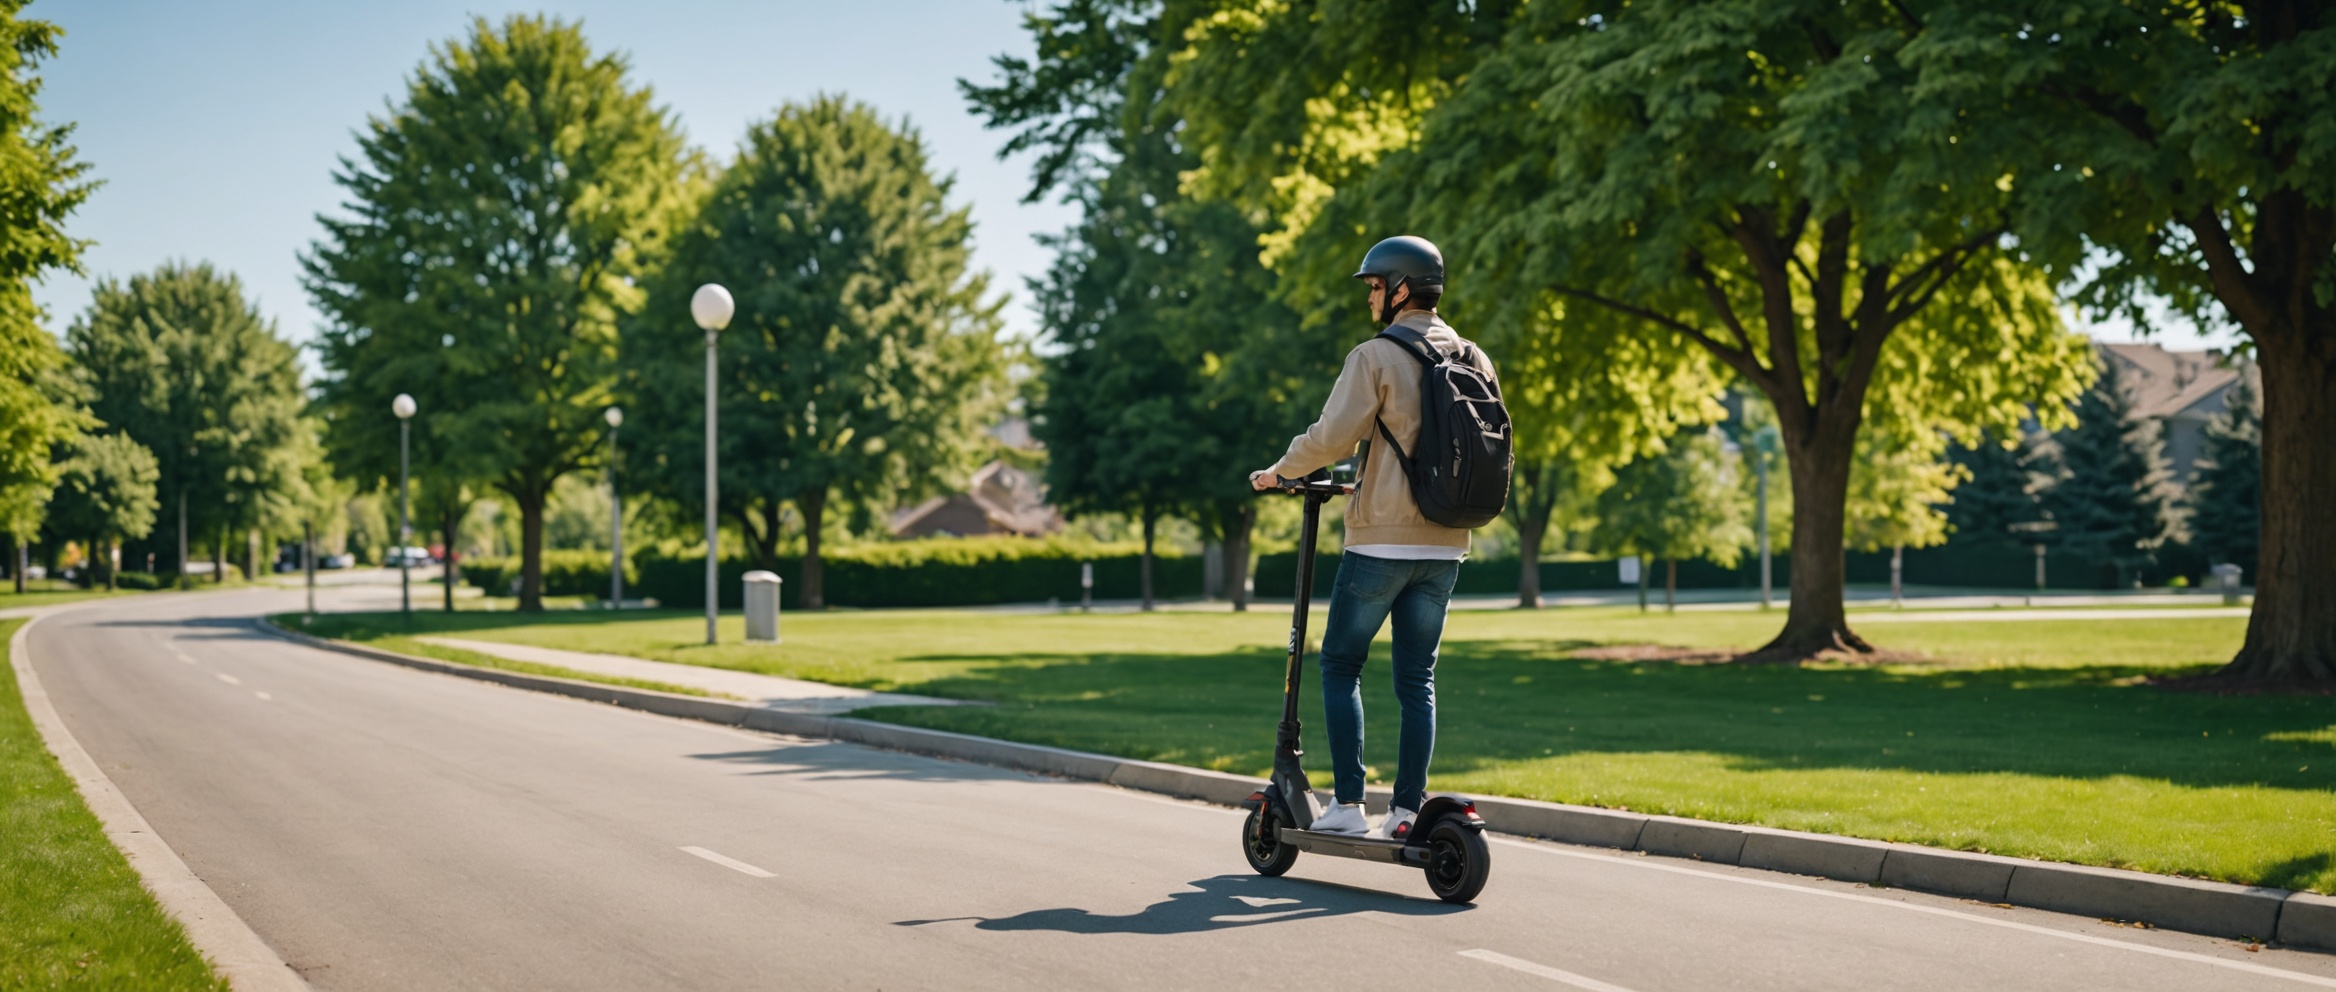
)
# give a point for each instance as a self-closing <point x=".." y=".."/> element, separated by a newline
<point x="1219" y="903"/>
<point x="835" y="762"/>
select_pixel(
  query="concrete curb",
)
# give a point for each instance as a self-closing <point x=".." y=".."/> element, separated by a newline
<point x="233" y="949"/>
<point x="2298" y="919"/>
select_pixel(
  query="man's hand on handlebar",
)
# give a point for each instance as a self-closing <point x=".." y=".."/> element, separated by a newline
<point x="1263" y="479"/>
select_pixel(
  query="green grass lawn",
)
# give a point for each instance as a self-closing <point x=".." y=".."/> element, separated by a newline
<point x="72" y="912"/>
<point x="2032" y="738"/>
<point x="48" y="597"/>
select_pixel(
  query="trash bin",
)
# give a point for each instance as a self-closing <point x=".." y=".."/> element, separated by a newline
<point x="2226" y="578"/>
<point x="762" y="606"/>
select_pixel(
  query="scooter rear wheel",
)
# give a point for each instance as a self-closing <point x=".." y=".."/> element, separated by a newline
<point x="1261" y="842"/>
<point x="1459" y="861"/>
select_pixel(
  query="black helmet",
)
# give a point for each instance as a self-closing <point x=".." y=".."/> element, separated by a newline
<point x="1403" y="260"/>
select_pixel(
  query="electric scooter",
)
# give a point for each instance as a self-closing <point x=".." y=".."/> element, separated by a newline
<point x="1447" y="838"/>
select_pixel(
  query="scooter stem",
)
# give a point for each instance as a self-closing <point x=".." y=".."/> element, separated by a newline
<point x="1288" y="773"/>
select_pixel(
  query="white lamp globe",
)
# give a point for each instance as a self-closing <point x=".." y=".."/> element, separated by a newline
<point x="403" y="406"/>
<point x="711" y="307"/>
<point x="615" y="417"/>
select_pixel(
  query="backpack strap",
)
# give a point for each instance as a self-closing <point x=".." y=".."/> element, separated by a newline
<point x="1415" y="343"/>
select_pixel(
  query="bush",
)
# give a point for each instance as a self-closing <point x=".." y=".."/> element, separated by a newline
<point x="565" y="573"/>
<point x="144" y="580"/>
<point x="948" y="571"/>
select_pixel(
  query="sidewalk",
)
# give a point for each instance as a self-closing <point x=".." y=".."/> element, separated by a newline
<point x="769" y="691"/>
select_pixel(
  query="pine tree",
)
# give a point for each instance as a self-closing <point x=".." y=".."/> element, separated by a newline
<point x="2107" y="498"/>
<point x="1999" y="495"/>
<point x="2226" y="498"/>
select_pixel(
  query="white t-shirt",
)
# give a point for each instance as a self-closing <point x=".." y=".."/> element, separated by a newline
<point x="1409" y="552"/>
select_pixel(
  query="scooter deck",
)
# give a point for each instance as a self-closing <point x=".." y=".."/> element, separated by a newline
<point x="1392" y="852"/>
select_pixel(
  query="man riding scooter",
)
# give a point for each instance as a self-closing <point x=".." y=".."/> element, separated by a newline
<point x="1400" y="561"/>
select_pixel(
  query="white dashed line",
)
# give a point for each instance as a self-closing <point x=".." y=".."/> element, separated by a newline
<point x="229" y="679"/>
<point x="730" y="863"/>
<point x="1542" y="970"/>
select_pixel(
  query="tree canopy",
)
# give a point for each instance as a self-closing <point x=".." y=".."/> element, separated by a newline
<point x="497" y="217"/>
<point x="2226" y="496"/>
<point x="864" y="357"/>
<point x="105" y="495"/>
<point x="1789" y="189"/>
<point x="183" y="362"/>
<point x="2107" y="477"/>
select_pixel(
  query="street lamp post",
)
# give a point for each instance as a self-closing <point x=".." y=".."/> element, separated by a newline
<point x="616" y="515"/>
<point x="711" y="307"/>
<point x="403" y="406"/>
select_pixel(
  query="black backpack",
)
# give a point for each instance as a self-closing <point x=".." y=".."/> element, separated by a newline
<point x="1459" y="465"/>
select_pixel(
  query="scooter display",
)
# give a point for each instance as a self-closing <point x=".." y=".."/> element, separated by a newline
<point x="1446" y="840"/>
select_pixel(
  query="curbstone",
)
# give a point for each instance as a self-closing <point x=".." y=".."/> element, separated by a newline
<point x="1587" y="825"/>
<point x="1222" y="788"/>
<point x="1718" y="843"/>
<point x="791" y="723"/>
<point x="1846" y="859"/>
<point x="1984" y="877"/>
<point x="2216" y="908"/>
<point x="2308" y="919"/>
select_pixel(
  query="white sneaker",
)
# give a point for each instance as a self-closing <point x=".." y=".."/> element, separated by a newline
<point x="1343" y="818"/>
<point x="1397" y="825"/>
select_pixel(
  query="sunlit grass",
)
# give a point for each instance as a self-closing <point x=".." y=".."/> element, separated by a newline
<point x="2034" y="738"/>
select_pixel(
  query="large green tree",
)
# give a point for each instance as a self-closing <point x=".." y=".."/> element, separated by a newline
<point x="864" y="358"/>
<point x="1786" y="187"/>
<point x="2196" y="143"/>
<point x="41" y="181"/>
<point x="184" y="363"/>
<point x="497" y="217"/>
<point x="1686" y="501"/>
<point x="105" y="495"/>
<point x="1996" y="504"/>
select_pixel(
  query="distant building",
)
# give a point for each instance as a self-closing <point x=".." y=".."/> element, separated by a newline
<point x="2182" y="391"/>
<point x="999" y="499"/>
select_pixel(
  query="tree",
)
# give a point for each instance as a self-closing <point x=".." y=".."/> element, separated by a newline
<point x="863" y="360"/>
<point x="42" y="182"/>
<point x="1996" y="504"/>
<point x="2106" y="497"/>
<point x="1787" y="188"/>
<point x="2197" y="147"/>
<point x="182" y="362"/>
<point x="497" y="218"/>
<point x="1685" y="502"/>
<point x="2226" y="496"/>
<point x="106" y="494"/>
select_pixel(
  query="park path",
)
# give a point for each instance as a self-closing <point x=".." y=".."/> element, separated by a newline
<point x="386" y="828"/>
<point x="771" y="691"/>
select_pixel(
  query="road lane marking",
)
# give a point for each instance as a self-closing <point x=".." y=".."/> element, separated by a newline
<point x="229" y="679"/>
<point x="263" y="696"/>
<point x="1542" y="970"/>
<point x="2083" y="938"/>
<point x="730" y="863"/>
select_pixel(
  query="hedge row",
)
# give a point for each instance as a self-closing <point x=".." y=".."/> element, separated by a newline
<point x="565" y="573"/>
<point x="940" y="572"/>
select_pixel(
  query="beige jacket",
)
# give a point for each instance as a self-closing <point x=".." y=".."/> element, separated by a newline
<point x="1379" y="383"/>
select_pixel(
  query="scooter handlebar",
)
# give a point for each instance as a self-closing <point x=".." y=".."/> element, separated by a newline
<point x="1323" y="487"/>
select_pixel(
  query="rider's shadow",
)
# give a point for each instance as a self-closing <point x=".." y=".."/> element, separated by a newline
<point x="1219" y="903"/>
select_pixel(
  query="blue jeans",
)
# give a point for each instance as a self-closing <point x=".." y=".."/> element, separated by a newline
<point x="1368" y="591"/>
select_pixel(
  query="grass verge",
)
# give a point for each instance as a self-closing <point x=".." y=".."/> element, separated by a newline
<point x="386" y="632"/>
<point x="2034" y="738"/>
<point x="72" y="912"/>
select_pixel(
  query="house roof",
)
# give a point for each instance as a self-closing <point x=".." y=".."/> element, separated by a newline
<point x="2165" y="383"/>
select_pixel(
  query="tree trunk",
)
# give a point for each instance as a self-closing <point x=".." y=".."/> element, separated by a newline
<point x="251" y="554"/>
<point x="813" y="503"/>
<point x="449" y="522"/>
<point x="15" y="562"/>
<point x="1818" y="460"/>
<point x="762" y="536"/>
<point x="1646" y="571"/>
<point x="1151" y="521"/>
<point x="531" y="500"/>
<point x="1529" y="568"/>
<point x="1670" y="585"/>
<point x="1535" y="500"/>
<point x="1237" y="522"/>
<point x="219" y="557"/>
<point x="2291" y="633"/>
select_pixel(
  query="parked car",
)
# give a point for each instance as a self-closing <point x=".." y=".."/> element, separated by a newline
<point x="336" y="561"/>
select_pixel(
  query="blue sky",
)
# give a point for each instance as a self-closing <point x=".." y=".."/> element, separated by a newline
<point x="216" y="125"/>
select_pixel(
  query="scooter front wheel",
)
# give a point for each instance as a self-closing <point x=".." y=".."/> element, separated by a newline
<point x="1459" y="861"/>
<point x="1261" y="841"/>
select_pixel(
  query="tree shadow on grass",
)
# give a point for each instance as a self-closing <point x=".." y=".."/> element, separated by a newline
<point x="1220" y="903"/>
<point x="1507" y="702"/>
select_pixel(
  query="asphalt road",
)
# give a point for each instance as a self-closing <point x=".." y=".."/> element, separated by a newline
<point x="384" y="828"/>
